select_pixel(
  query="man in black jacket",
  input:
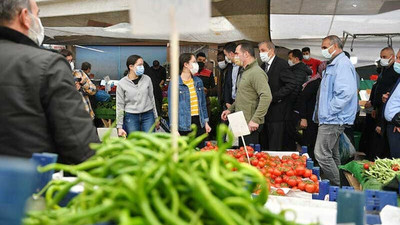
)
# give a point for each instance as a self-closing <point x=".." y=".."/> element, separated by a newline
<point x="282" y="84"/>
<point x="232" y="71"/>
<point x="300" y="71"/>
<point x="41" y="111"/>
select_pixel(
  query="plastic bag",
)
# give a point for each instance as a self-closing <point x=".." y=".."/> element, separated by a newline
<point x="346" y="149"/>
<point x="102" y="96"/>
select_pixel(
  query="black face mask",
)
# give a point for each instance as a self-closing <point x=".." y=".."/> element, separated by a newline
<point x="201" y="66"/>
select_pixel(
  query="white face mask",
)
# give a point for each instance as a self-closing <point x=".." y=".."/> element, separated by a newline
<point x="227" y="59"/>
<point x="222" y="65"/>
<point x="306" y="57"/>
<point x="326" y="54"/>
<point x="290" y="62"/>
<point x="36" y="31"/>
<point x="195" y="68"/>
<point x="385" y="62"/>
<point x="264" y="56"/>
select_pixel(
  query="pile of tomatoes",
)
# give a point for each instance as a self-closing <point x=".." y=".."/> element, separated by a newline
<point x="287" y="172"/>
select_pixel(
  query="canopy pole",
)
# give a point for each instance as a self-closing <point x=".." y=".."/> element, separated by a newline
<point x="174" y="55"/>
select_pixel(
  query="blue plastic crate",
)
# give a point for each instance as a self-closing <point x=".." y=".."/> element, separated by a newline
<point x="333" y="192"/>
<point x="371" y="200"/>
<point x="376" y="200"/>
<point x="348" y="188"/>
<point x="373" y="219"/>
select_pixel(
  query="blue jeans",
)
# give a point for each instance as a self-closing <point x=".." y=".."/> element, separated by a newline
<point x="138" y="122"/>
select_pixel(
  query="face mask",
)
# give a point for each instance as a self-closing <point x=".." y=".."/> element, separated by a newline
<point x="237" y="61"/>
<point x="306" y="57"/>
<point x="139" y="70"/>
<point x="227" y="59"/>
<point x="396" y="67"/>
<point x="264" y="56"/>
<point x="36" y="30"/>
<point x="201" y="65"/>
<point x="72" y="65"/>
<point x="222" y="65"/>
<point x="195" y="68"/>
<point x="326" y="54"/>
<point x="290" y="62"/>
<point x="385" y="62"/>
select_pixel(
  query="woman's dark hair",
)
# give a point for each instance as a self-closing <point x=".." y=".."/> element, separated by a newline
<point x="184" y="58"/>
<point x="65" y="52"/>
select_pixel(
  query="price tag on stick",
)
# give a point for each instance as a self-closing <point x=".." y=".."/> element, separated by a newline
<point x="239" y="128"/>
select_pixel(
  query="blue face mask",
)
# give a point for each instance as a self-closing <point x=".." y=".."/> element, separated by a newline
<point x="139" y="70"/>
<point x="396" y="67"/>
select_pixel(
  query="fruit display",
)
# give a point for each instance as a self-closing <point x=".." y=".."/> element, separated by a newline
<point x="143" y="180"/>
<point x="289" y="171"/>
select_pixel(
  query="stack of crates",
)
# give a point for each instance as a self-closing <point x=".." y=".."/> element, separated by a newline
<point x="333" y="192"/>
<point x="375" y="201"/>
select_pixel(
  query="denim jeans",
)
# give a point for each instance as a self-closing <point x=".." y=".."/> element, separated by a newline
<point x="138" y="122"/>
<point x="327" y="151"/>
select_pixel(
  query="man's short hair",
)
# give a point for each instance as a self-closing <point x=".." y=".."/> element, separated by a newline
<point x="9" y="9"/>
<point x="65" y="52"/>
<point x="247" y="47"/>
<point x="201" y="54"/>
<point x="269" y="44"/>
<point x="347" y="54"/>
<point x="305" y="49"/>
<point x="296" y="53"/>
<point x="388" y="48"/>
<point x="230" y="47"/>
<point x="333" y="39"/>
<point x="86" y="66"/>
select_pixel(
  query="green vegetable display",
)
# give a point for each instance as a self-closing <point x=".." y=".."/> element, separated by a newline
<point x="383" y="170"/>
<point x="136" y="181"/>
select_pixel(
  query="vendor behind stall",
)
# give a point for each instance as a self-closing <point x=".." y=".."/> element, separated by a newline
<point x="41" y="111"/>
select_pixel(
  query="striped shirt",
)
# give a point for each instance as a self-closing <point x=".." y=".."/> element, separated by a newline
<point x="194" y="103"/>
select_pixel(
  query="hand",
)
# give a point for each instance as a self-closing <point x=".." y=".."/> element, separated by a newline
<point x="121" y="132"/>
<point x="378" y="130"/>
<point x="253" y="126"/>
<point x="303" y="124"/>
<point x="227" y="105"/>
<point x="396" y="129"/>
<point x="157" y="125"/>
<point x="77" y="86"/>
<point x="373" y="114"/>
<point x="205" y="91"/>
<point x="368" y="104"/>
<point x="224" y="115"/>
<point x="385" y="97"/>
<point x="208" y="128"/>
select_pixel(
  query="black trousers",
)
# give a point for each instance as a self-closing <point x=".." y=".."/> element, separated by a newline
<point x="271" y="137"/>
<point x="200" y="130"/>
<point x="252" y="138"/>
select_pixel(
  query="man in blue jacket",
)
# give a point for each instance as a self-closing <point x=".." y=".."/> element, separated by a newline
<point x="336" y="106"/>
<point x="392" y="114"/>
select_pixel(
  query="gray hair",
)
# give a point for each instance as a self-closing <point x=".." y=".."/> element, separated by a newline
<point x="333" y="39"/>
<point x="269" y="44"/>
<point x="10" y="8"/>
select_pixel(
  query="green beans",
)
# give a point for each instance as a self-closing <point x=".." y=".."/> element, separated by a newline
<point x="383" y="170"/>
<point x="136" y="181"/>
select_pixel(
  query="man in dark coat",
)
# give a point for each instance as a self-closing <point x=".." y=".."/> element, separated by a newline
<point x="300" y="71"/>
<point x="41" y="111"/>
<point x="282" y="85"/>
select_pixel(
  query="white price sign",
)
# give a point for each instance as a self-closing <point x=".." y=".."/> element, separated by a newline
<point x="238" y="124"/>
<point x="153" y="16"/>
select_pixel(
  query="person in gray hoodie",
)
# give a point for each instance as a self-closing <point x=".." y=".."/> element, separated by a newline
<point x="136" y="108"/>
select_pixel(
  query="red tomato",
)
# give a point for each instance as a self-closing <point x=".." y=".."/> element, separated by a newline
<point x="277" y="172"/>
<point x="290" y="173"/>
<point x="295" y="156"/>
<point x="301" y="185"/>
<point x="280" y="192"/>
<point x="209" y="144"/>
<point x="254" y="162"/>
<point x="285" y="178"/>
<point x="270" y="170"/>
<point x="366" y="166"/>
<point x="307" y="173"/>
<point x="292" y="182"/>
<point x="261" y="164"/>
<point x="314" y="178"/>
<point x="278" y="180"/>
<point x="300" y="170"/>
<point x="310" y="188"/>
